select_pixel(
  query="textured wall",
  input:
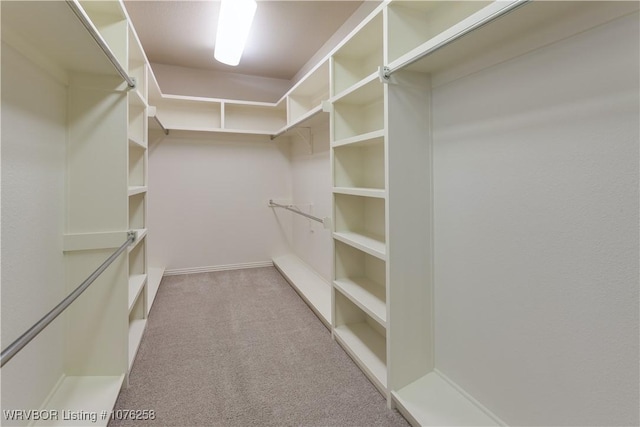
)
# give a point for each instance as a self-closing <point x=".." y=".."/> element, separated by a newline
<point x="208" y="198"/>
<point x="33" y="196"/>
<point x="536" y="225"/>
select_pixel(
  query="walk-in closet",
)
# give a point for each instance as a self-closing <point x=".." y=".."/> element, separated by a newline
<point x="383" y="213"/>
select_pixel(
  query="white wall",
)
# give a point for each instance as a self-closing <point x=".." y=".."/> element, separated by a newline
<point x="208" y="198"/>
<point x="311" y="182"/>
<point x="33" y="195"/>
<point x="536" y="231"/>
<point x="176" y="80"/>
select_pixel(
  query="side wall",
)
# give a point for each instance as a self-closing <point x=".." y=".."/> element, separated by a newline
<point x="536" y="231"/>
<point x="311" y="181"/>
<point x="33" y="196"/>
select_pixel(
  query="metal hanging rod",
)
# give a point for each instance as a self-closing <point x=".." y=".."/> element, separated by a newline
<point x="386" y="71"/>
<point x="323" y="221"/>
<point x="165" y="130"/>
<point x="86" y="22"/>
<point x="32" y="332"/>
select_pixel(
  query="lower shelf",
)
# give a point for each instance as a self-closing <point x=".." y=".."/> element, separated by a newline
<point x="136" y="283"/>
<point x="153" y="283"/>
<point x="310" y="285"/>
<point x="433" y="401"/>
<point x="78" y="399"/>
<point x="136" y="330"/>
<point x="368" y="349"/>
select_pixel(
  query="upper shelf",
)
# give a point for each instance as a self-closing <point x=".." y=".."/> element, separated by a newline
<point x="55" y="31"/>
<point x="506" y="29"/>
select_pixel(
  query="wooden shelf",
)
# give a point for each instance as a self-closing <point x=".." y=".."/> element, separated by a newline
<point x="136" y="330"/>
<point x="366" y="242"/>
<point x="83" y="393"/>
<point x="367" y="348"/>
<point x="136" y="284"/>
<point x="431" y="400"/>
<point x="308" y="95"/>
<point x="411" y="23"/>
<point x="367" y="295"/>
<point x="72" y="48"/>
<point x="137" y="190"/>
<point x="360" y="165"/>
<point x="134" y="142"/>
<point x="360" y="112"/>
<point x="313" y="289"/>
<point x="314" y="118"/>
<point x="182" y="113"/>
<point x="362" y="92"/>
<point x="360" y="222"/>
<point x="136" y="98"/>
<point x="253" y="118"/>
<point x="153" y="284"/>
<point x="360" y="56"/>
<point x="141" y="234"/>
<point x="374" y="137"/>
<point x="363" y="192"/>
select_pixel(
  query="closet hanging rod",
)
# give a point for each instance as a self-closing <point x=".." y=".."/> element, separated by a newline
<point x="296" y="124"/>
<point x="323" y="221"/>
<point x="386" y="71"/>
<point x="86" y="22"/>
<point x="32" y="332"/>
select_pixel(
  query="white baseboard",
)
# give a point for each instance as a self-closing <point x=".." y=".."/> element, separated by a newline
<point x="194" y="270"/>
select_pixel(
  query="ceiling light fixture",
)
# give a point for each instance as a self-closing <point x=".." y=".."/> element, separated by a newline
<point x="234" y="24"/>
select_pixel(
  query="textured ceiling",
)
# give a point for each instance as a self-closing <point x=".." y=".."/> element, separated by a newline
<point x="284" y="35"/>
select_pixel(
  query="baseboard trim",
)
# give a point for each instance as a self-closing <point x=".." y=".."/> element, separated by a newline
<point x="211" y="268"/>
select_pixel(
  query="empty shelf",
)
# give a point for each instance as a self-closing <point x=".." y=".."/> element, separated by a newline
<point x="431" y="400"/>
<point x="309" y="284"/>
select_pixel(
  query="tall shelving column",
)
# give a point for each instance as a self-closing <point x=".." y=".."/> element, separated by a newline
<point x="137" y="192"/>
<point x="359" y="201"/>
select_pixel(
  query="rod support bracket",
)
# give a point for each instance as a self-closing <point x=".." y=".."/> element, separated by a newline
<point x="305" y="134"/>
<point x="132" y="236"/>
<point x="135" y="83"/>
<point x="384" y="73"/>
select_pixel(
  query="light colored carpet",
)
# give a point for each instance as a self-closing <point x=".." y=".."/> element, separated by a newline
<point x="240" y="348"/>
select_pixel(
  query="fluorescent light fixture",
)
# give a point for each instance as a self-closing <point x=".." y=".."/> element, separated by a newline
<point x="234" y="24"/>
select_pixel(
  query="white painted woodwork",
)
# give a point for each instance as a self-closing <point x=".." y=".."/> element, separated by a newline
<point x="309" y="93"/>
<point x="359" y="111"/>
<point x="431" y="400"/>
<point x="362" y="338"/>
<point x="82" y="394"/>
<point x="153" y="283"/>
<point x="412" y="23"/>
<point x="359" y="56"/>
<point x="313" y="289"/>
<point x="103" y="133"/>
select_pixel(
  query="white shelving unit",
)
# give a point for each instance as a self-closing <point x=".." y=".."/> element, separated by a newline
<point x="106" y="179"/>
<point x="138" y="161"/>
<point x="307" y="96"/>
<point x="359" y="200"/>
<point x="363" y="339"/>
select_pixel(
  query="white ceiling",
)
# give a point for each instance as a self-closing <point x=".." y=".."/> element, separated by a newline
<point x="284" y="35"/>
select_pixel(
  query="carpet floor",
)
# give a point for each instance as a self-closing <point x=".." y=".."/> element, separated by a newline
<point x="240" y="348"/>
